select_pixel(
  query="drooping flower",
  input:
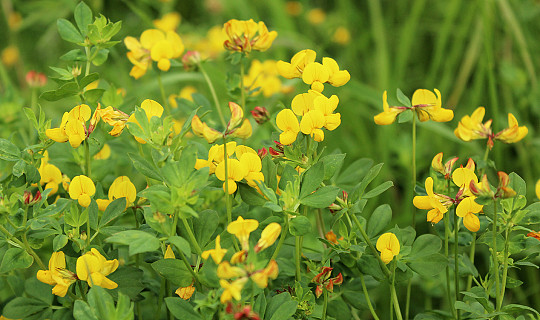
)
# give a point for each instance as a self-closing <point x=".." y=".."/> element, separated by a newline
<point x="287" y="122"/>
<point x="82" y="189"/>
<point x="268" y="236"/>
<point x="437" y="204"/>
<point x="242" y="132"/>
<point x="513" y="133"/>
<point x="261" y="277"/>
<point x="217" y="253"/>
<point x="241" y="228"/>
<point x="93" y="268"/>
<point x="245" y="36"/>
<point x="57" y="275"/>
<point x="201" y="129"/>
<point x="336" y="77"/>
<point x="388" y="245"/>
<point x="113" y="117"/>
<point x="466" y="209"/>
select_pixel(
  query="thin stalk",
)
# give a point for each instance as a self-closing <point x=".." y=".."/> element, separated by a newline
<point x="213" y="93"/>
<point x="87" y="158"/>
<point x="83" y="293"/>
<point x="175" y="223"/>
<point x="494" y="255"/>
<point x="394" y="295"/>
<point x="366" y="295"/>
<point x="284" y="231"/>
<point x="168" y="294"/>
<point x="88" y="231"/>
<point x="191" y="237"/>
<point x="505" y="265"/>
<point x="325" y="304"/>
<point x="320" y="223"/>
<point x="471" y="257"/>
<point x="25" y="246"/>
<point x="446" y="236"/>
<point x="242" y="89"/>
<point x="88" y="61"/>
<point x="413" y="167"/>
<point x="163" y="96"/>
<point x="297" y="256"/>
<point x="408" y="301"/>
<point x="456" y="262"/>
<point x="188" y="266"/>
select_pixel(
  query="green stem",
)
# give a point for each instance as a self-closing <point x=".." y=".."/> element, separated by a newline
<point x="213" y="93"/>
<point x="298" y="259"/>
<point x="456" y="262"/>
<point x="366" y="295"/>
<point x="471" y="257"/>
<point x="483" y="169"/>
<point x="24" y="245"/>
<point x="494" y="255"/>
<point x="87" y="167"/>
<point x="446" y="236"/>
<point x="191" y="236"/>
<point x="408" y="301"/>
<point x="394" y="295"/>
<point x="325" y="304"/>
<point x="284" y="231"/>
<point x="227" y="195"/>
<point x="88" y="61"/>
<point x="163" y="96"/>
<point x="505" y="265"/>
<point x="188" y="266"/>
<point x="175" y="223"/>
<point x="242" y="89"/>
<point x="83" y="293"/>
<point x="413" y="169"/>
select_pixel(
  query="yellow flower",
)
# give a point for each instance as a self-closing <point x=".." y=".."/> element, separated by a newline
<point x="244" y="36"/>
<point x="236" y="172"/>
<point x="241" y="150"/>
<point x="462" y="177"/>
<point x="241" y="228"/>
<point x="217" y="253"/>
<point x="471" y="127"/>
<point x="215" y="156"/>
<point x="445" y="169"/>
<point x="185" y="292"/>
<point x="169" y="46"/>
<point x="51" y="176"/>
<point x="336" y="77"/>
<point x="316" y="16"/>
<point x="169" y="22"/>
<point x="341" y="36"/>
<point x="264" y="77"/>
<point x="437" y="204"/>
<point x="311" y="124"/>
<point x="72" y="127"/>
<point x="315" y="74"/>
<point x="295" y="68"/>
<point x="287" y="122"/>
<point x="139" y="54"/>
<point x="513" y="133"/>
<point x="261" y="277"/>
<point x="268" y="236"/>
<point x="242" y="132"/>
<point x="82" y="188"/>
<point x="466" y="209"/>
<point x="232" y="290"/>
<point x="253" y="165"/>
<point x="388" y="245"/>
<point x="104" y="153"/>
<point x="237" y="114"/>
<point x="537" y="189"/>
<point x="94" y="268"/>
<point x="327" y="106"/>
<point x="201" y="129"/>
<point x="185" y="93"/>
<point x="10" y="56"/>
<point x="57" y="275"/>
<point x="152" y="109"/>
<point x="226" y="271"/>
<point x="169" y="254"/>
<point x="115" y="118"/>
<point x="239" y="257"/>
<point x="389" y="114"/>
<point x="122" y="187"/>
<point x="304" y="102"/>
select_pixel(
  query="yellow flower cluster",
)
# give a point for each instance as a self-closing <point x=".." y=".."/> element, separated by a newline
<point x="247" y="165"/>
<point x="91" y="267"/>
<point x="154" y="45"/>
<point x="121" y="187"/>
<point x="263" y="76"/>
<point x="471" y="128"/>
<point x="426" y="104"/>
<point x="239" y="267"/>
<point x="247" y="35"/>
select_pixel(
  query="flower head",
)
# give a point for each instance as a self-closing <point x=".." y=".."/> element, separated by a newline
<point x="388" y="245"/>
<point x="437" y="204"/>
<point x="268" y="236"/>
<point x="94" y="268"/>
<point x="241" y="228"/>
<point x="232" y="290"/>
<point x="217" y="254"/>
<point x="287" y="122"/>
<point x="57" y="275"/>
<point x="247" y="35"/>
<point x="82" y="189"/>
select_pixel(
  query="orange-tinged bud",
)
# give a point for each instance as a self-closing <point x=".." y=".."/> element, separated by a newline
<point x="503" y="190"/>
<point x="35" y="79"/>
<point x="260" y="114"/>
<point x="237" y="114"/>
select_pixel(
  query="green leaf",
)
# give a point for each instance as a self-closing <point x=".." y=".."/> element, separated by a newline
<point x="19" y="168"/>
<point x="68" y="31"/>
<point x="379" y="219"/>
<point x="250" y="195"/>
<point x="403" y="99"/>
<point x="299" y="226"/>
<point x="205" y="226"/>
<point x="138" y="241"/>
<point x="515" y="308"/>
<point x="429" y="265"/>
<point x="128" y="280"/>
<point x="88" y="80"/>
<point x="181" y="244"/>
<point x="93" y="95"/>
<point x="59" y="242"/>
<point x="517" y="184"/>
<point x="173" y="270"/>
<point x="405" y="116"/>
<point x="66" y="90"/>
<point x="15" y="258"/>
<point x="332" y="164"/>
<point x="83" y="17"/>
<point x="101" y="57"/>
<point x="145" y="167"/>
<point x="23" y="308"/>
<point x="82" y="311"/>
<point x="321" y="198"/>
<point x="425" y="245"/>
<point x="312" y="180"/>
<point x="74" y="55"/>
<point x="9" y="151"/>
<point x="355" y="172"/>
<point x="361" y="187"/>
<point x="64" y="74"/>
<point x="281" y="307"/>
<point x="31" y="116"/>
<point x="181" y="309"/>
<point x="113" y="211"/>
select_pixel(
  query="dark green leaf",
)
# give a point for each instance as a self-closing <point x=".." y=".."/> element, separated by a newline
<point x="23" y="308"/>
<point x="321" y="198"/>
<point x="332" y="164"/>
<point x="83" y="17"/>
<point x="299" y="226"/>
<point x="138" y="241"/>
<point x="379" y="219"/>
<point x="113" y="211"/>
<point x="181" y="309"/>
<point x="9" y="151"/>
<point x="145" y="167"/>
<point x="15" y="258"/>
<point x="403" y="99"/>
<point x="173" y="270"/>
<point x="312" y="179"/>
<point x="93" y="95"/>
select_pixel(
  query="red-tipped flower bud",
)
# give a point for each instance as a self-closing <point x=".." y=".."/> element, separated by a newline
<point x="260" y="114"/>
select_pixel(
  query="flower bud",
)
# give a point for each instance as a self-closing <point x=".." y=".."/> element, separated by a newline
<point x="482" y="188"/>
<point x="263" y="152"/>
<point x="237" y="114"/>
<point x="503" y="190"/>
<point x="191" y="59"/>
<point x="260" y="114"/>
<point x="35" y="79"/>
<point x="268" y="236"/>
<point x="30" y="199"/>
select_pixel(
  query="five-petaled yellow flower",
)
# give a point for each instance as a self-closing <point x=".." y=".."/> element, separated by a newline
<point x="388" y="245"/>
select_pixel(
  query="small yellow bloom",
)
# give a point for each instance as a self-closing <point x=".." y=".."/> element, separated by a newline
<point x="388" y="116"/>
<point x="466" y="209"/>
<point x="304" y="102"/>
<point x="241" y="150"/>
<point x="215" y="156"/>
<point x="315" y="74"/>
<point x="236" y="172"/>
<point x="232" y="290"/>
<point x="462" y="177"/>
<point x="82" y="189"/>
<point x="169" y="254"/>
<point x="226" y="271"/>
<point x="388" y="245"/>
<point x="57" y="275"/>
<point x="336" y="77"/>
<point x="316" y="16"/>
<point x="10" y="56"/>
<point x="513" y="133"/>
<point x="122" y="187"/>
<point x="185" y="292"/>
<point x="311" y="124"/>
<point x="169" y="22"/>
<point x="327" y="106"/>
<point x="239" y="257"/>
<point x="115" y="118"/>
<point x="445" y="169"/>
<point x="201" y="129"/>
<point x="185" y="93"/>
<point x="152" y="109"/>
<point x="268" y="236"/>
<point x="244" y="36"/>
<point x="237" y="114"/>
<point x="104" y="153"/>
<point x="299" y="61"/>
<point x="217" y="253"/>
<point x="94" y="268"/>
<point x="437" y="204"/>
<point x="253" y="165"/>
<point x="72" y="127"/>
<point x="261" y="277"/>
<point x="241" y="228"/>
<point x="341" y="36"/>
<point x="287" y="122"/>
<point x="51" y="176"/>
<point x="471" y="127"/>
<point x="293" y="8"/>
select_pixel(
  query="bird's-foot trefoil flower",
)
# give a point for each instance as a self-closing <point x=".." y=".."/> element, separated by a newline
<point x="82" y="189"/>
<point x="241" y="228"/>
<point x="217" y="253"/>
<point x="93" y="268"/>
<point x="57" y="275"/>
<point x="388" y="245"/>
